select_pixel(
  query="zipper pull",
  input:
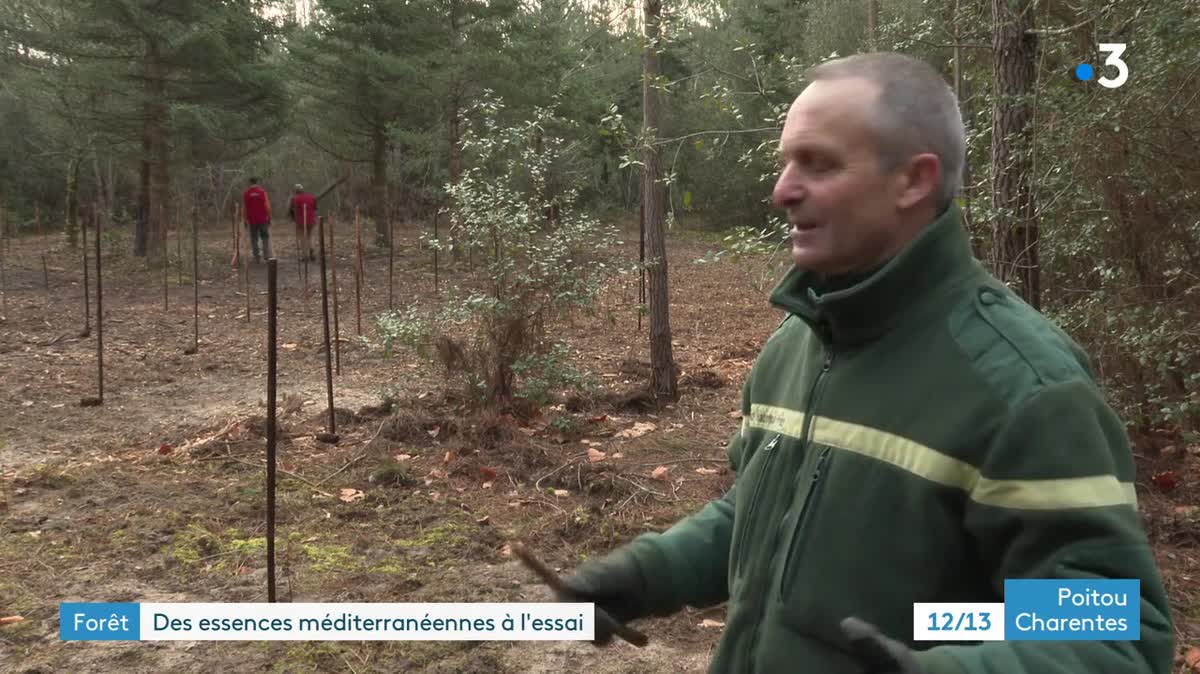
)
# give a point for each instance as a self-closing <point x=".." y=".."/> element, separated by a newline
<point x="820" y="465"/>
<point x="771" y="445"/>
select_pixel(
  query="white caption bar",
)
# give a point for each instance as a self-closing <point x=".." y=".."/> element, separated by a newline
<point x="550" y="621"/>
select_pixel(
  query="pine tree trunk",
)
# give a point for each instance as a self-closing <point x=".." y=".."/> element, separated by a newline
<point x="1015" y="232"/>
<point x="873" y="24"/>
<point x="379" y="167"/>
<point x="663" y="374"/>
<point x="454" y="124"/>
<point x="155" y="158"/>
<point x="72" y="209"/>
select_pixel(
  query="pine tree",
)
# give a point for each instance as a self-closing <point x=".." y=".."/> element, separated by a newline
<point x="166" y="80"/>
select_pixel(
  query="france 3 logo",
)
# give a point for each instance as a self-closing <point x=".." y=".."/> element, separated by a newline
<point x="1084" y="71"/>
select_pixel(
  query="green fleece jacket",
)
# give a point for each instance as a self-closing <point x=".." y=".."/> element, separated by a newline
<point x="918" y="436"/>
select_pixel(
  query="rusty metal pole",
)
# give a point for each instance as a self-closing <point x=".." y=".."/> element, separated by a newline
<point x="436" y="212"/>
<point x="3" y="250"/>
<point x="358" y="273"/>
<point x="337" y="332"/>
<point x="325" y="320"/>
<point x="87" y="291"/>
<point x="99" y="318"/>
<point x="642" y="265"/>
<point x="272" y="303"/>
<point x="163" y="230"/>
<point x="195" y="285"/>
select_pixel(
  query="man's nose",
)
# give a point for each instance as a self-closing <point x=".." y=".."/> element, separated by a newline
<point x="788" y="190"/>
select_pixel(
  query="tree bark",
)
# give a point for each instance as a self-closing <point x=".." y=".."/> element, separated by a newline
<point x="379" y="169"/>
<point x="873" y="24"/>
<point x="1015" y="232"/>
<point x="663" y="374"/>
<point x="155" y="160"/>
<point x="72" y="209"/>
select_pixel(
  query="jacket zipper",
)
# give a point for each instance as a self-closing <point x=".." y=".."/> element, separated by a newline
<point x="755" y="494"/>
<point x="752" y="648"/>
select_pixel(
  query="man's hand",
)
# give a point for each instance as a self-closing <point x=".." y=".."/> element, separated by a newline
<point x="876" y="653"/>
<point x="615" y="584"/>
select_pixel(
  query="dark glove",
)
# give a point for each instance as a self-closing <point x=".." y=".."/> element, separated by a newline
<point x="876" y="653"/>
<point x="615" y="584"/>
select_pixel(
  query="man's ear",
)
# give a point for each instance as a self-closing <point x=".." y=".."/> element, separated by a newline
<point x="919" y="180"/>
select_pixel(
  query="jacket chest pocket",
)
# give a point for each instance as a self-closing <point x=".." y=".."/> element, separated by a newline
<point x="795" y="526"/>
<point x="752" y="484"/>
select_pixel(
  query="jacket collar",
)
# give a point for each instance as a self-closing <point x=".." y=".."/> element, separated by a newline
<point x="860" y="308"/>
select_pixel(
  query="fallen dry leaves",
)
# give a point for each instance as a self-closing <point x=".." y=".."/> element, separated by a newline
<point x="349" y="495"/>
<point x="638" y="429"/>
<point x="660" y="473"/>
<point x="1191" y="658"/>
<point x="595" y="455"/>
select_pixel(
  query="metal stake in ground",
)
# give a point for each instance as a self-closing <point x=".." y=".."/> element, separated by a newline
<point x="37" y="215"/>
<point x="272" y="268"/>
<point x="179" y="243"/>
<point x="88" y="402"/>
<point x="237" y="245"/>
<point x="391" y="255"/>
<point x="246" y="270"/>
<point x="325" y="319"/>
<point x="304" y="254"/>
<point x="87" y="300"/>
<point x="299" y="253"/>
<point x="3" y="246"/>
<point x="195" y="287"/>
<point x="337" y="332"/>
<point x="435" y="251"/>
<point x="163" y="230"/>
<point x="358" y="273"/>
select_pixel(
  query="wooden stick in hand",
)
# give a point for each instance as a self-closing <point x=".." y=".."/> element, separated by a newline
<point x="603" y="620"/>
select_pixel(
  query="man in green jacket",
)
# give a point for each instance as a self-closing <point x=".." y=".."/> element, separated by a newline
<point x="912" y="431"/>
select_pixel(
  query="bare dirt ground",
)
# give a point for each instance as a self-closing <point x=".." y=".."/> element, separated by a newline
<point x="158" y="495"/>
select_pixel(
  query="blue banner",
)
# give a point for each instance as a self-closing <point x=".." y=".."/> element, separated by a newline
<point x="99" y="622"/>
<point x="1072" y="609"/>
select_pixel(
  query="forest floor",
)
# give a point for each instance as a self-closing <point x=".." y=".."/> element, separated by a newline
<point x="158" y="494"/>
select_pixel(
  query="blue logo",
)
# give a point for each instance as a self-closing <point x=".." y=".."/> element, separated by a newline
<point x="1089" y="609"/>
<point x="1084" y="72"/>
<point x="99" y="622"/>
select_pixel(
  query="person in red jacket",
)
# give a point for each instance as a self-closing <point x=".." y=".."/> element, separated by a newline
<point x="303" y="211"/>
<point x="256" y="205"/>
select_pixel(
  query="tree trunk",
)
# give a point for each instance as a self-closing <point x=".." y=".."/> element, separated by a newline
<point x="379" y="167"/>
<point x="72" y="209"/>
<point x="454" y="120"/>
<point x="663" y="374"/>
<point x="160" y="154"/>
<point x="454" y="124"/>
<point x="873" y="24"/>
<point x="155" y="160"/>
<point x="104" y="186"/>
<point x="1015" y="233"/>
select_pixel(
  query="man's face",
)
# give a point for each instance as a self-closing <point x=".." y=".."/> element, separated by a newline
<point x="840" y="204"/>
